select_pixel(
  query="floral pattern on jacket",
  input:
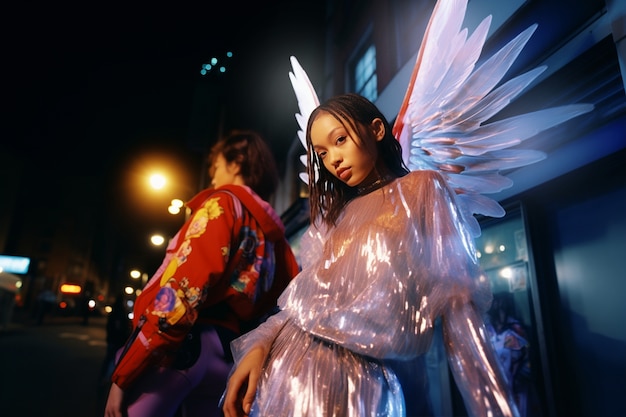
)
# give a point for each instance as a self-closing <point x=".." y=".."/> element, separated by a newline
<point x="231" y="253"/>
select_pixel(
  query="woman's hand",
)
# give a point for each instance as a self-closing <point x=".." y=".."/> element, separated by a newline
<point x="242" y="384"/>
<point x="113" y="406"/>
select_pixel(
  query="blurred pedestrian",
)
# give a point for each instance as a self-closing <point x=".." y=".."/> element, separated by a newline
<point x="118" y="330"/>
<point x="220" y="277"/>
<point x="46" y="301"/>
<point x="85" y="308"/>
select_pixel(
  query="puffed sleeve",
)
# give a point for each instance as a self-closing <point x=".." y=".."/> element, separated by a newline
<point x="474" y="364"/>
<point x="444" y="244"/>
<point x="463" y="294"/>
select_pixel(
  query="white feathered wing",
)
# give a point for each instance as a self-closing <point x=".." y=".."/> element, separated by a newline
<point x="440" y="122"/>
<point x="307" y="102"/>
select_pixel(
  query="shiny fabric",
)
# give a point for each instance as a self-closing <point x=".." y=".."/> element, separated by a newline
<point x="370" y="290"/>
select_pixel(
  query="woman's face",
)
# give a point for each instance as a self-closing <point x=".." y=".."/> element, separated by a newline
<point x="341" y="150"/>
<point x="224" y="172"/>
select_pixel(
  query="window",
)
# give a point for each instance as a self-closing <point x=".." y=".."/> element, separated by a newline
<point x="364" y="73"/>
<point x="512" y="319"/>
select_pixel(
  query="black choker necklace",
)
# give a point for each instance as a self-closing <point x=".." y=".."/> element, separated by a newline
<point x="380" y="182"/>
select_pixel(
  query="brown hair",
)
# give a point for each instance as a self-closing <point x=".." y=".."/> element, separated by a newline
<point x="329" y="195"/>
<point x="257" y="164"/>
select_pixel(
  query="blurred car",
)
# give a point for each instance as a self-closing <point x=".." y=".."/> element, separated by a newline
<point x="10" y="285"/>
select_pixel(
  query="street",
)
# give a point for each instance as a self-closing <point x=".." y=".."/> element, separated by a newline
<point x="52" y="369"/>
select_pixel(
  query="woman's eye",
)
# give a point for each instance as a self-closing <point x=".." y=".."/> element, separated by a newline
<point x="341" y="139"/>
<point x="321" y="155"/>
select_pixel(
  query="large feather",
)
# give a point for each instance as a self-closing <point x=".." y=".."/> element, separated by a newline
<point x="441" y="122"/>
<point x="307" y="102"/>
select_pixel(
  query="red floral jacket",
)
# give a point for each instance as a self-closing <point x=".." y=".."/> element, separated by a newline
<point x="227" y="264"/>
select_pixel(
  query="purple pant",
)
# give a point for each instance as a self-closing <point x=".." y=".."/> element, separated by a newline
<point x="196" y="390"/>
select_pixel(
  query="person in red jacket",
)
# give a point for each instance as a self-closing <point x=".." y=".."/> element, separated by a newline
<point x="221" y="276"/>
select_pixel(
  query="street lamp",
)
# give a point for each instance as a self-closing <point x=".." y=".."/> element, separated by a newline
<point x="157" y="240"/>
<point x="157" y="181"/>
<point x="175" y="206"/>
<point x="136" y="274"/>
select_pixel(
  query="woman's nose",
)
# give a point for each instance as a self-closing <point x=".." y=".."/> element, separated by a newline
<point x="335" y="159"/>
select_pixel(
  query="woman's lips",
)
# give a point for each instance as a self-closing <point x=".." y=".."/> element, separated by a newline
<point x="344" y="174"/>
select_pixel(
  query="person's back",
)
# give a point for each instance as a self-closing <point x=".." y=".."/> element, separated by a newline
<point x="118" y="329"/>
<point x="222" y="273"/>
<point x="118" y="326"/>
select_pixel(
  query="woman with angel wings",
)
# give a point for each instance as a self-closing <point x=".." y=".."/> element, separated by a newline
<point x="390" y="249"/>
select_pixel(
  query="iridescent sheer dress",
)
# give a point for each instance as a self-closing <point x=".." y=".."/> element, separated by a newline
<point x="370" y="290"/>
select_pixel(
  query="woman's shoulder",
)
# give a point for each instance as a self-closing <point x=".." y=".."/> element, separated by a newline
<point x="422" y="177"/>
<point x="225" y="195"/>
<point x="424" y="187"/>
<point x="216" y="200"/>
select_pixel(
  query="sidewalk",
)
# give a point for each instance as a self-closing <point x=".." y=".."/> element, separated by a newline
<point x="54" y="368"/>
<point x="21" y="318"/>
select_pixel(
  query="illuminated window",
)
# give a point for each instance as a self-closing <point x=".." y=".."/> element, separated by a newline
<point x="364" y="73"/>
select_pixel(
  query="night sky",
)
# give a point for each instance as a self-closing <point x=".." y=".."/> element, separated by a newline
<point x="96" y="89"/>
<point x="116" y="76"/>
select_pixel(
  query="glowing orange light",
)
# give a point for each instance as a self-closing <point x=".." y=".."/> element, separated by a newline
<point x="70" y="289"/>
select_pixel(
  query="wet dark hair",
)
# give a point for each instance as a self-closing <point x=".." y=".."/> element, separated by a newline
<point x="329" y="195"/>
<point x="257" y="164"/>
